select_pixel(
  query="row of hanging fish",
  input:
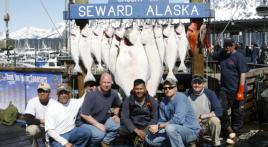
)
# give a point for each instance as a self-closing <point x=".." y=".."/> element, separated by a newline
<point x="131" y="50"/>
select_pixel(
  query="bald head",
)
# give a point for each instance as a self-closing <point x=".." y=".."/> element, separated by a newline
<point x="105" y="82"/>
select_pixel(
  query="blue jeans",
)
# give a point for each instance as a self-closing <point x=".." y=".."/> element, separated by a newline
<point x="79" y="137"/>
<point x="108" y="136"/>
<point x="178" y="136"/>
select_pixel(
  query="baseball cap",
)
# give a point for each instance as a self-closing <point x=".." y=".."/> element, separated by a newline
<point x="198" y="77"/>
<point x="228" y="42"/>
<point x="63" y="87"/>
<point x="90" y="83"/>
<point x="44" y="86"/>
<point x="170" y="81"/>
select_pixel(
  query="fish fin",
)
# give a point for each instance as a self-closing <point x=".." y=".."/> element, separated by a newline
<point x="89" y="77"/>
<point x="182" y="67"/>
<point x="77" y="69"/>
<point x="171" y="75"/>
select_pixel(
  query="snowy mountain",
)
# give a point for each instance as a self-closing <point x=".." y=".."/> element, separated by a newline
<point x="36" y="33"/>
<point x="224" y="10"/>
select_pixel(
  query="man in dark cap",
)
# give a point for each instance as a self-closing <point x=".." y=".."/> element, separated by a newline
<point x="177" y="122"/>
<point x="233" y="86"/>
<point x="207" y="108"/>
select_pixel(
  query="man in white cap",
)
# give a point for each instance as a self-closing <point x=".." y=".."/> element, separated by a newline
<point x="35" y="112"/>
<point x="60" y="121"/>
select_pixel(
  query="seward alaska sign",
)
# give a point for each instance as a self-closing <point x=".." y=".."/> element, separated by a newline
<point x="138" y="9"/>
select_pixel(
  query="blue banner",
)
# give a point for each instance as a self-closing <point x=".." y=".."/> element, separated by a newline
<point x="19" y="87"/>
<point x="139" y="9"/>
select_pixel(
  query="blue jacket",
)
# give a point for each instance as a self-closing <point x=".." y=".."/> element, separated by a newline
<point x="178" y="111"/>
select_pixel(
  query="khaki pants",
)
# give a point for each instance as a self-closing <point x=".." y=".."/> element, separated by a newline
<point x="212" y="127"/>
<point x="35" y="132"/>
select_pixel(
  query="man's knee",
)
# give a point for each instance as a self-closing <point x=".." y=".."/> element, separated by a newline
<point x="214" y="121"/>
<point x="170" y="129"/>
<point x="33" y="130"/>
<point x="83" y="132"/>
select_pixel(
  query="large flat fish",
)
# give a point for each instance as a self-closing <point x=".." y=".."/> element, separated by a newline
<point x="106" y="45"/>
<point x="182" y="46"/>
<point x="132" y="62"/>
<point x="96" y="44"/>
<point x="155" y="62"/>
<point x="158" y="34"/>
<point x="171" y="49"/>
<point x="74" y="40"/>
<point x="85" y="52"/>
<point x="114" y="50"/>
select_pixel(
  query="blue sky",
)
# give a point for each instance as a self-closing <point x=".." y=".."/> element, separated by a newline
<point x="31" y="13"/>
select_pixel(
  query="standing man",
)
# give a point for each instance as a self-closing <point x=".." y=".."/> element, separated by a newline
<point x="177" y="121"/>
<point x="139" y="112"/>
<point x="233" y="86"/>
<point x="207" y="108"/>
<point x="95" y="112"/>
<point x="35" y="112"/>
<point x="60" y="121"/>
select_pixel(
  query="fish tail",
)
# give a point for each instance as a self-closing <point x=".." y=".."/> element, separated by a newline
<point x="171" y="76"/>
<point x="182" y="67"/>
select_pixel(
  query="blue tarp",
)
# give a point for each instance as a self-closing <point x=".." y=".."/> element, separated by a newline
<point x="19" y="87"/>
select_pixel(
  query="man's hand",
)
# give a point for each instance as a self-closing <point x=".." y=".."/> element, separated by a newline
<point x="140" y="133"/>
<point x="116" y="119"/>
<point x="101" y="127"/>
<point x="68" y="145"/>
<point x="153" y="129"/>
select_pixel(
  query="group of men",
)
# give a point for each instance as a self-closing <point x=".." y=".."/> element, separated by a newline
<point x="99" y="117"/>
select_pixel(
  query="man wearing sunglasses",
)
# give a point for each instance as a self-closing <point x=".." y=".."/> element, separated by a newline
<point x="177" y="122"/>
<point x="35" y="112"/>
<point x="207" y="108"/>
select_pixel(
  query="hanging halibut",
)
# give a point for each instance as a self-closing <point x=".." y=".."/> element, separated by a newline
<point x="158" y="34"/>
<point x="171" y="49"/>
<point x="96" y="44"/>
<point x="114" y="50"/>
<point x="182" y="46"/>
<point x="155" y="62"/>
<point x="132" y="61"/>
<point x="74" y="44"/>
<point x="106" y="44"/>
<point x="85" y="52"/>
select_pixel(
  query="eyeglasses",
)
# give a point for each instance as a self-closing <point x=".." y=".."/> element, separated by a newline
<point x="169" y="88"/>
<point x="42" y="91"/>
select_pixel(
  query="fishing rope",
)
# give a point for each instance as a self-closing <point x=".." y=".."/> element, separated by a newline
<point x="44" y="7"/>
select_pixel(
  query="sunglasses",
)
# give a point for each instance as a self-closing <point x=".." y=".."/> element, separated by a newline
<point x="42" y="91"/>
<point x="197" y="82"/>
<point x="169" y="88"/>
